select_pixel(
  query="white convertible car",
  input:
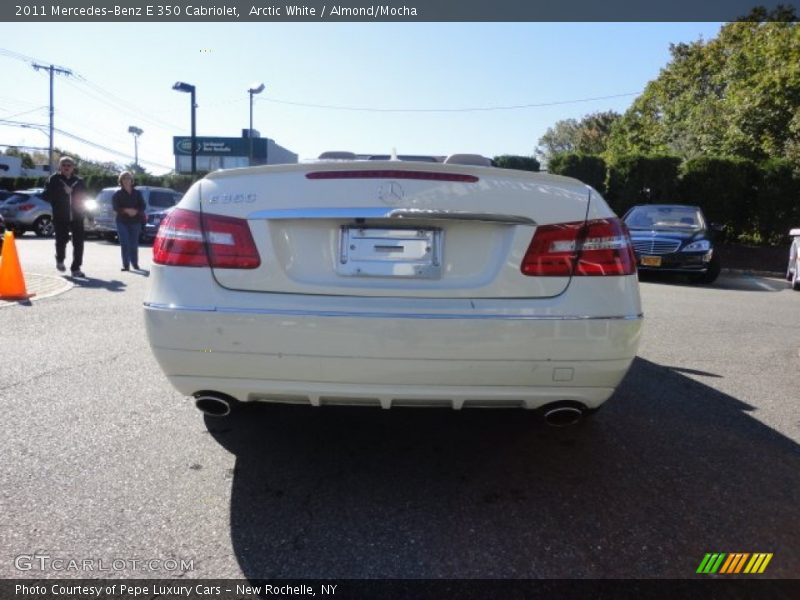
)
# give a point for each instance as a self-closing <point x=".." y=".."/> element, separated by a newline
<point x="394" y="283"/>
<point x="793" y="270"/>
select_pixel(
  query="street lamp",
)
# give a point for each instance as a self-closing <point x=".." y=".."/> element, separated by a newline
<point x="136" y="133"/>
<point x="189" y="88"/>
<point x="254" y="89"/>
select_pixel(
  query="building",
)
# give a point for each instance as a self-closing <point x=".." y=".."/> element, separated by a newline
<point x="229" y="153"/>
<point x="11" y="166"/>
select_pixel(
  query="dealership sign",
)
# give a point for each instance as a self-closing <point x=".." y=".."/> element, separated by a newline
<point x="214" y="146"/>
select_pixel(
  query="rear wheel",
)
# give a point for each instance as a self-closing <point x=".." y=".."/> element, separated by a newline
<point x="796" y="280"/>
<point x="43" y="226"/>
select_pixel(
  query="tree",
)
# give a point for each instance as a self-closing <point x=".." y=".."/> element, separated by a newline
<point x="737" y="95"/>
<point x="27" y="159"/>
<point x="587" y="136"/>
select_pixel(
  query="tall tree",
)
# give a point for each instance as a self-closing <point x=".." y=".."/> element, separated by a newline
<point x="587" y="136"/>
<point x="736" y="95"/>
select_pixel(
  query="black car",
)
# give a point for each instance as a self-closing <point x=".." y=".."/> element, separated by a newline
<point x="673" y="238"/>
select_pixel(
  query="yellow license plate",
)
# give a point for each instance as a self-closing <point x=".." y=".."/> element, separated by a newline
<point x="651" y="261"/>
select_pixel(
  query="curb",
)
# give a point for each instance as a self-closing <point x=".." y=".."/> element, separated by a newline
<point x="44" y="286"/>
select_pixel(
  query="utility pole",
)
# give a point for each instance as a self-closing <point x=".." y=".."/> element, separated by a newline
<point x="53" y="69"/>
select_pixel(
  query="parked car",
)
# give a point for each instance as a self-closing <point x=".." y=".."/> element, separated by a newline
<point x="156" y="199"/>
<point x="394" y="283"/>
<point x="673" y="238"/>
<point x="28" y="211"/>
<point x="154" y="220"/>
<point x="793" y="270"/>
<point x="5" y="195"/>
<point x="89" y="222"/>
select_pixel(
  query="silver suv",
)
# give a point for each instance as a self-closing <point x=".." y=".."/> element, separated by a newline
<point x="156" y="199"/>
<point x="27" y="210"/>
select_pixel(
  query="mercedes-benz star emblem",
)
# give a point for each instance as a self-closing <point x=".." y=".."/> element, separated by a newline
<point x="391" y="193"/>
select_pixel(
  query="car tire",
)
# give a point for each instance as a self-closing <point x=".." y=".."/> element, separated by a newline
<point x="43" y="227"/>
<point x="710" y="276"/>
<point x="110" y="237"/>
<point x="796" y="280"/>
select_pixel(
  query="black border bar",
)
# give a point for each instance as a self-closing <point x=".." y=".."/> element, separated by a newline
<point x="711" y="587"/>
<point x="380" y="10"/>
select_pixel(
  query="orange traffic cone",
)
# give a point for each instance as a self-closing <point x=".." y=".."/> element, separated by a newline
<point x="12" y="282"/>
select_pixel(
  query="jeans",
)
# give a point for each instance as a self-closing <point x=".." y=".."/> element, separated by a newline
<point x="63" y="229"/>
<point x="129" y="243"/>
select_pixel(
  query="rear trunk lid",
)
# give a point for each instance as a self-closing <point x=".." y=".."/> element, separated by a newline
<point x="388" y="228"/>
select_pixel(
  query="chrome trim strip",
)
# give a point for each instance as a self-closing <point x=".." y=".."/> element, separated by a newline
<point x="387" y="315"/>
<point x="379" y="212"/>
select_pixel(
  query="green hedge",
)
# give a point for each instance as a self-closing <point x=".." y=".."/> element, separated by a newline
<point x="95" y="183"/>
<point x="755" y="203"/>
<point x="588" y="168"/>
<point x="725" y="188"/>
<point x="521" y="163"/>
<point x="639" y="179"/>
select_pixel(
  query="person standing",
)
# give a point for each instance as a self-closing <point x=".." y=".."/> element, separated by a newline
<point x="66" y="192"/>
<point x="129" y="205"/>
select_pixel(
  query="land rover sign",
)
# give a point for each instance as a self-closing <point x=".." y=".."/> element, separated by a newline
<point x="211" y="146"/>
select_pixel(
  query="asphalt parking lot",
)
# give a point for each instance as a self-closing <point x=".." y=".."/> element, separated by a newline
<point x="697" y="452"/>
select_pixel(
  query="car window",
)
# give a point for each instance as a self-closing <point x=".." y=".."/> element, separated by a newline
<point x="672" y="217"/>
<point x="18" y="199"/>
<point x="161" y="199"/>
<point x="105" y="197"/>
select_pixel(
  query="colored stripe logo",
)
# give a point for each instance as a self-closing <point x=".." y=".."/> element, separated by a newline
<point x="734" y="563"/>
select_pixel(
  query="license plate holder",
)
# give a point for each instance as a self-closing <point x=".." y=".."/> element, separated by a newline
<point x="410" y="253"/>
<point x="650" y="261"/>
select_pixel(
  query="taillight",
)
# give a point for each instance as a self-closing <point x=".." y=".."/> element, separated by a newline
<point x="221" y="242"/>
<point x="24" y="207"/>
<point x="598" y="247"/>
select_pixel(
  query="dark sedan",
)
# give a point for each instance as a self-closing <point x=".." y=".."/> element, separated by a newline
<point x="673" y="238"/>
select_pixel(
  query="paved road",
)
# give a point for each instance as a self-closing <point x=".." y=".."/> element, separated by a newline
<point x="697" y="452"/>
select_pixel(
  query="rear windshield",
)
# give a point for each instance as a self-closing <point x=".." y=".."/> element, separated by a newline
<point x="163" y="199"/>
<point x="18" y="198"/>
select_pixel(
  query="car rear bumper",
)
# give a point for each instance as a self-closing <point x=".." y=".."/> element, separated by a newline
<point x="392" y="359"/>
<point x="679" y="263"/>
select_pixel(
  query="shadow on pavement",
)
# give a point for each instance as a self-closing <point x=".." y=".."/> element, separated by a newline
<point x="670" y="469"/>
<point x="114" y="285"/>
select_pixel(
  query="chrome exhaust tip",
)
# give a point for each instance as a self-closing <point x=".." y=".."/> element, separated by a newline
<point x="212" y="405"/>
<point x="563" y="415"/>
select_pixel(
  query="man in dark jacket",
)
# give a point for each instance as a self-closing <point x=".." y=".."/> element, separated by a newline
<point x="65" y="191"/>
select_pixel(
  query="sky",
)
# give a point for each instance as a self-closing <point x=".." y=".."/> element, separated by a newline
<point x="419" y="88"/>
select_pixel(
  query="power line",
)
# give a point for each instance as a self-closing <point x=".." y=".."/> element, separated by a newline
<point x="447" y="110"/>
<point x="78" y="138"/>
<point x="111" y="100"/>
<point x="123" y="105"/>
<point x="24" y="112"/>
<point x="162" y="125"/>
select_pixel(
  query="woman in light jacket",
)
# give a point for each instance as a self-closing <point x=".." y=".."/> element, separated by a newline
<point x="130" y="208"/>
